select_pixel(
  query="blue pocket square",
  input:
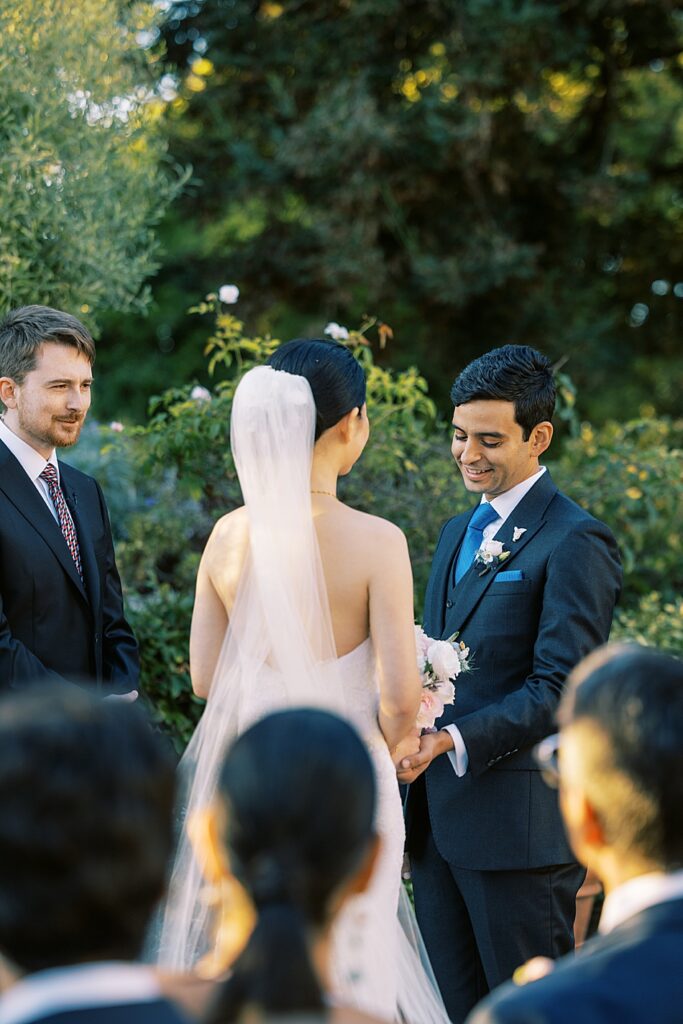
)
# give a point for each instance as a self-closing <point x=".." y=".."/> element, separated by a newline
<point x="509" y="576"/>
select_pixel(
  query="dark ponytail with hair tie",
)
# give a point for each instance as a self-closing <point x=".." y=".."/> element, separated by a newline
<point x="299" y="794"/>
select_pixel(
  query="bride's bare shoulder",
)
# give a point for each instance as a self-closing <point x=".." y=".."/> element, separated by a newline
<point x="373" y="525"/>
<point x="377" y="535"/>
<point x="231" y="530"/>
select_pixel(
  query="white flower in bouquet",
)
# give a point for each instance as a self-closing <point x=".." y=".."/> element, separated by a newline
<point x="229" y="294"/>
<point x="336" y="331"/>
<point x="200" y="394"/>
<point x="422" y="645"/>
<point x="444" y="660"/>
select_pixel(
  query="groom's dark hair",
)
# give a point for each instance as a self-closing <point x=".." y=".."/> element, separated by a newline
<point x="86" y="809"/>
<point x="513" y="373"/>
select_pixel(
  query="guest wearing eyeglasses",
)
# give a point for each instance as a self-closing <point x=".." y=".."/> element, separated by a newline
<point x="618" y="763"/>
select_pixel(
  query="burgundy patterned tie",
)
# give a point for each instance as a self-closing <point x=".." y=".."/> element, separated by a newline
<point x="49" y="475"/>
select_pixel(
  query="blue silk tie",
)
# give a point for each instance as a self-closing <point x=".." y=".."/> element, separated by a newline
<point x="481" y="517"/>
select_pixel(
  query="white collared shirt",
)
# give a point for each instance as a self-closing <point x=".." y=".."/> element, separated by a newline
<point x="62" y="989"/>
<point x="504" y="504"/>
<point x="638" y="894"/>
<point x="32" y="462"/>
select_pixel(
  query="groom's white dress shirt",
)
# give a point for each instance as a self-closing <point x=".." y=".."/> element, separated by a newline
<point x="638" y="894"/>
<point x="504" y="505"/>
<point x="32" y="462"/>
<point x="82" y="986"/>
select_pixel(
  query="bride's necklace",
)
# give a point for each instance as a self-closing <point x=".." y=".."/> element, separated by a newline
<point x="330" y="494"/>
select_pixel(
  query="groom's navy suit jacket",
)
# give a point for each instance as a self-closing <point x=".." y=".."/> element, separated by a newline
<point x="53" y="626"/>
<point x="525" y="636"/>
<point x="630" y="976"/>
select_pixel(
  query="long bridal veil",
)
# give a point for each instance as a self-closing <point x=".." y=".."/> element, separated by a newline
<point x="280" y="623"/>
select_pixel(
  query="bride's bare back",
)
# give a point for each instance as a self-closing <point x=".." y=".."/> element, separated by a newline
<point x="369" y="584"/>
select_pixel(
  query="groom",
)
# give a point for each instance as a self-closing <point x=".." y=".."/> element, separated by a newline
<point x="529" y="581"/>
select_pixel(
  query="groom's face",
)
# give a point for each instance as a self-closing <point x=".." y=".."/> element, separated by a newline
<point x="489" y="447"/>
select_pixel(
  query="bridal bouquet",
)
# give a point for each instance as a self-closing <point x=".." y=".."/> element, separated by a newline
<point x="439" y="663"/>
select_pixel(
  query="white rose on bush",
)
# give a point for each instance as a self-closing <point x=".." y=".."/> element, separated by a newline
<point x="200" y="394"/>
<point x="336" y="331"/>
<point x="229" y="294"/>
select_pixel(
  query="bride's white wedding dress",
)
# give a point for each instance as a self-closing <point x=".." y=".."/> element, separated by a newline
<point x="279" y="652"/>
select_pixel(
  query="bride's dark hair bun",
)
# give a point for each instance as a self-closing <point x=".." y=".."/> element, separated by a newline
<point x="335" y="376"/>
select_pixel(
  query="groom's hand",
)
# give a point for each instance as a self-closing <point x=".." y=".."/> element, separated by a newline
<point x="432" y="745"/>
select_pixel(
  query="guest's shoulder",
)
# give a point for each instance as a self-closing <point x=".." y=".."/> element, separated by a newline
<point x="610" y="978"/>
<point x="157" y="1011"/>
<point x="554" y="999"/>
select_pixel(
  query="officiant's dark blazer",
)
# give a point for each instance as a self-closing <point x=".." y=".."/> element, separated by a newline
<point x="53" y="626"/>
<point x="525" y="634"/>
<point x="633" y="974"/>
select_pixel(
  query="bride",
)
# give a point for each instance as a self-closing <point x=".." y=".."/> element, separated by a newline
<point x="302" y="600"/>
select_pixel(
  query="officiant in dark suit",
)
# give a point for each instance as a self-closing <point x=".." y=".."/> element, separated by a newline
<point x="620" y="775"/>
<point x="529" y="581"/>
<point x="61" y="606"/>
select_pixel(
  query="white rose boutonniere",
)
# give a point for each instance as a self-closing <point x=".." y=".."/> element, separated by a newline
<point x="491" y="554"/>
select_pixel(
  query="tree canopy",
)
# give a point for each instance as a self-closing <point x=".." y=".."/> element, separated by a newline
<point x="475" y="171"/>
<point x="82" y="176"/>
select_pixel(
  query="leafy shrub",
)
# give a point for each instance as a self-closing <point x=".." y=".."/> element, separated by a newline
<point x="631" y="476"/>
<point x="653" y="621"/>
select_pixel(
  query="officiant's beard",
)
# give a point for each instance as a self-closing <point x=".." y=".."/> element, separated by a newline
<point x="59" y="432"/>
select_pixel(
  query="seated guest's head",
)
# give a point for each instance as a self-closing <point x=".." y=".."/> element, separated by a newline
<point x="86" y="798"/>
<point x="621" y="762"/>
<point x="294" y="819"/>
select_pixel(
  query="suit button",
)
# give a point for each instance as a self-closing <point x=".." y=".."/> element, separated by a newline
<point x="449" y="604"/>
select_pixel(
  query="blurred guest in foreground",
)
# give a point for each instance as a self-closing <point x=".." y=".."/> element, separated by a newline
<point x="86" y="798"/>
<point x="293" y="828"/>
<point x="620" y="775"/>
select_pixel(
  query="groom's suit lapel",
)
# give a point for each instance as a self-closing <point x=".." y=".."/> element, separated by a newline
<point x="528" y="515"/>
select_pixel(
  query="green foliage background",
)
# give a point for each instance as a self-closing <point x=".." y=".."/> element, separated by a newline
<point x="169" y="481"/>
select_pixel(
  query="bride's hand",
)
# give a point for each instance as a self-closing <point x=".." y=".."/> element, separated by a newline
<point x="410" y="744"/>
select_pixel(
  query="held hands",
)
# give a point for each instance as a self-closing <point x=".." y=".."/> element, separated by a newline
<point x="410" y="744"/>
<point x="432" y="745"/>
